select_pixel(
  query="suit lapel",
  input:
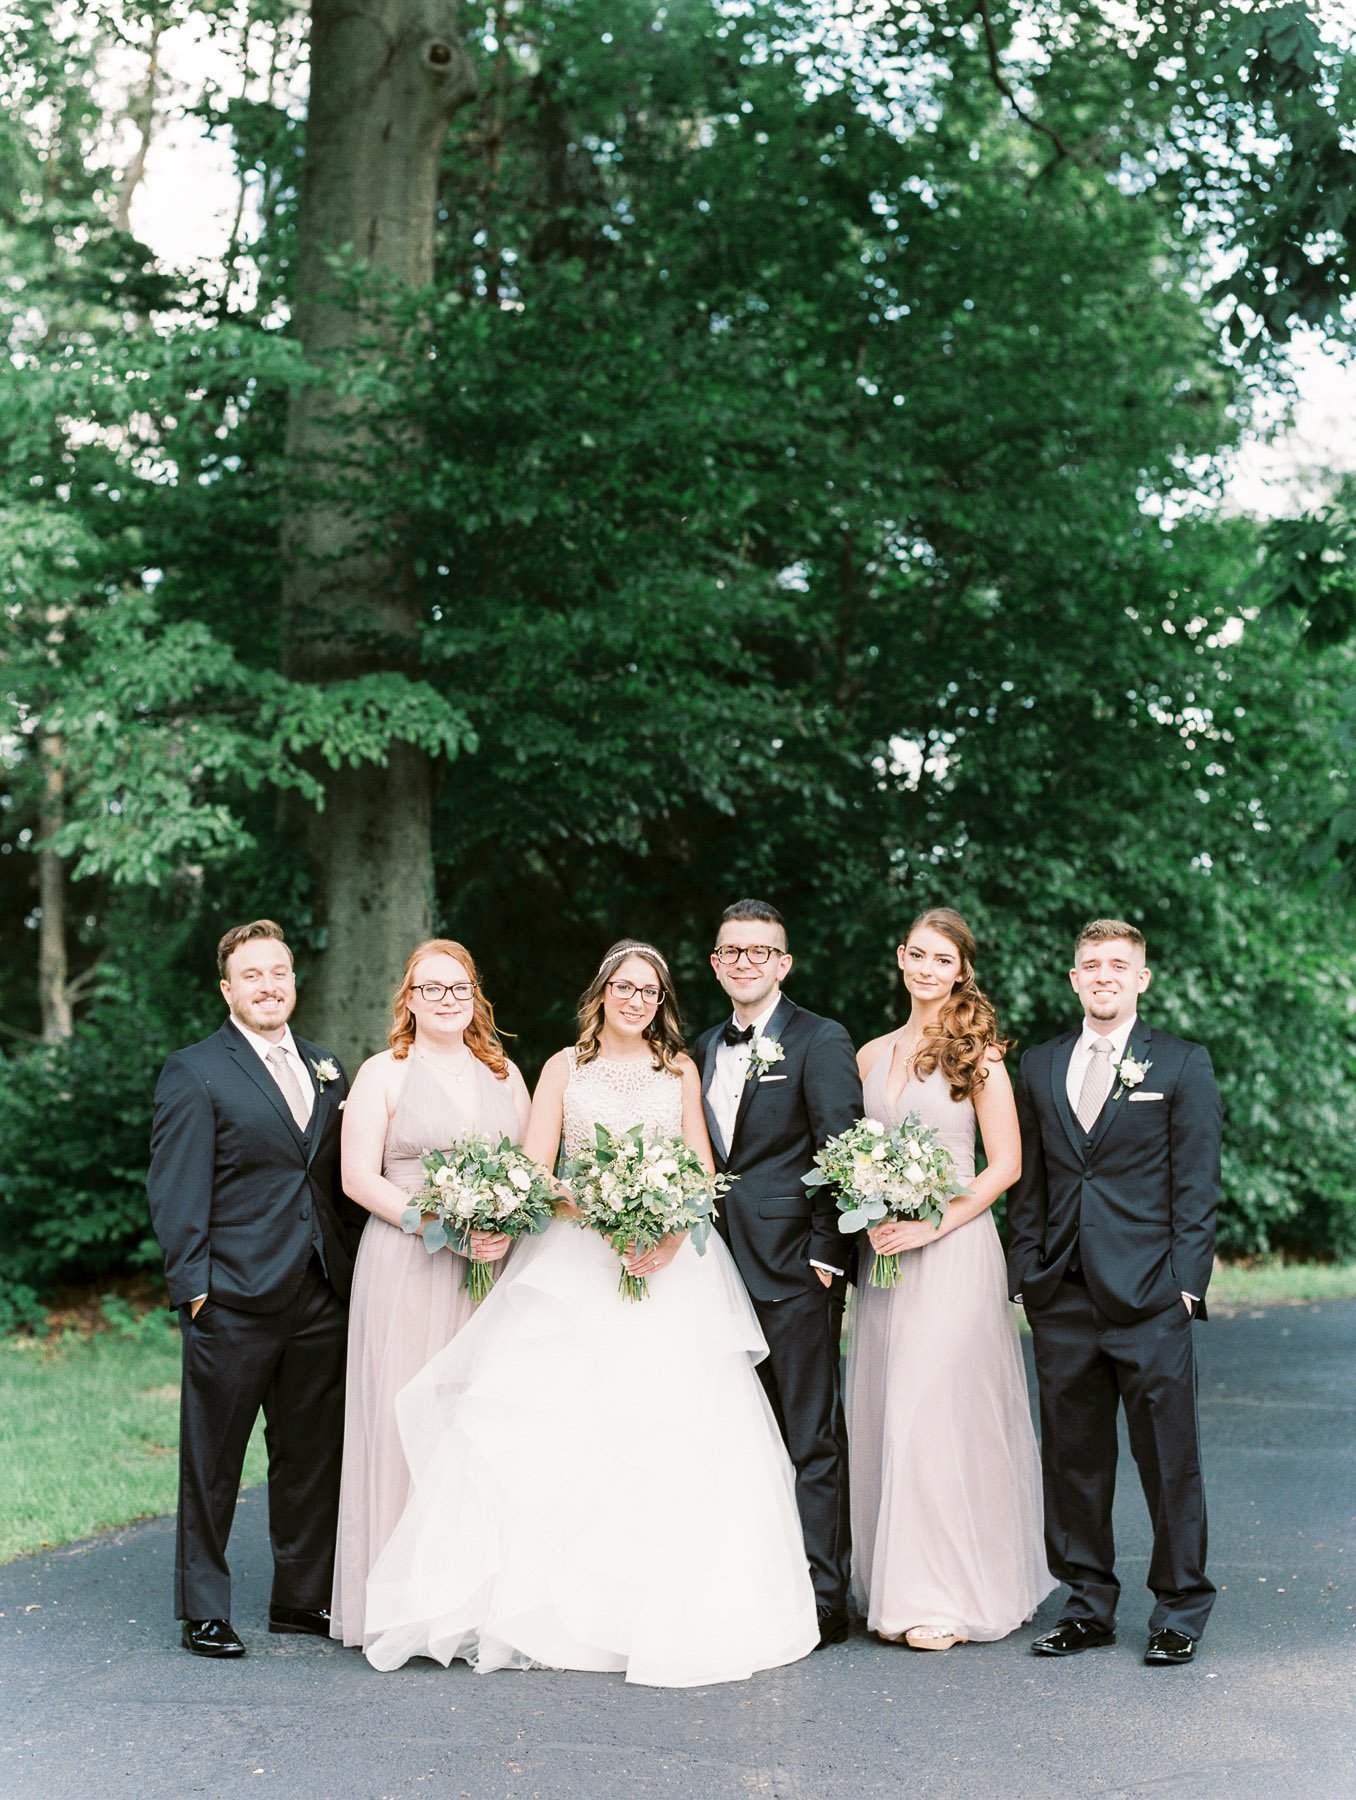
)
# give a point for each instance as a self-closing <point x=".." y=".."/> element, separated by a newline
<point x="776" y="1025"/>
<point x="311" y="1054"/>
<point x="250" y="1066"/>
<point x="1137" y="1046"/>
<point x="1060" y="1057"/>
<point x="718" y="1143"/>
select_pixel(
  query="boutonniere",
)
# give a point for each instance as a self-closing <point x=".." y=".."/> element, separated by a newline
<point x="327" y="1069"/>
<point x="763" y="1053"/>
<point x="1129" y="1074"/>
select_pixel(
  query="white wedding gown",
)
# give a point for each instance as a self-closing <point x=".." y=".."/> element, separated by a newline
<point x="597" y="1483"/>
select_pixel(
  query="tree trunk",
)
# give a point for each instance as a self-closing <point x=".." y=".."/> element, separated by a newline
<point x="387" y="76"/>
<point x="53" y="989"/>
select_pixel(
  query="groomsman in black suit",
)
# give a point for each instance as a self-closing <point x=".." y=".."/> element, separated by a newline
<point x="1111" y="1231"/>
<point x="776" y="1082"/>
<point x="258" y="1244"/>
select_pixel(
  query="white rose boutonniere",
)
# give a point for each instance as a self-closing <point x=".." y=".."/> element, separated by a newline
<point x="764" y="1052"/>
<point x="327" y="1069"/>
<point x="1129" y="1074"/>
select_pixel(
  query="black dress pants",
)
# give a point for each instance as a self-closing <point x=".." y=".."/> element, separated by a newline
<point x="290" y="1363"/>
<point x="1087" y="1365"/>
<point x="802" y="1378"/>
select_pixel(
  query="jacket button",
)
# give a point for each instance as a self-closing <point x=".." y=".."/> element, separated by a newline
<point x="305" y="1212"/>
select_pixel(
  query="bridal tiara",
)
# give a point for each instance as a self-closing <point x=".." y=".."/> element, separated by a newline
<point x="626" y="950"/>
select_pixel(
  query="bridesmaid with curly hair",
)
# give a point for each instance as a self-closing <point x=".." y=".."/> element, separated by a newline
<point x="443" y="1076"/>
<point x="944" y="1472"/>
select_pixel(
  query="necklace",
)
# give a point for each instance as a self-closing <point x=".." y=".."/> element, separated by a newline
<point x="454" y="1068"/>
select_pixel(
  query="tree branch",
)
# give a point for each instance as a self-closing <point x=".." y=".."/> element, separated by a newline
<point x="1000" y="81"/>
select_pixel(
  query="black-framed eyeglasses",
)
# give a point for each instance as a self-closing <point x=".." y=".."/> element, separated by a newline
<point x="433" y="991"/>
<point x="624" y="989"/>
<point x="758" y="954"/>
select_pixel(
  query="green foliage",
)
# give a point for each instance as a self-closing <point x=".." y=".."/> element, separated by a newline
<point x="819" y="441"/>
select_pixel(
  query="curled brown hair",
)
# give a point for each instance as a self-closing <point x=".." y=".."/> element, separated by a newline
<point x="664" y="1033"/>
<point x="480" y="1037"/>
<point x="967" y="1030"/>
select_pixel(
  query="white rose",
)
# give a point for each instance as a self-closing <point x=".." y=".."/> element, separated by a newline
<point x="465" y="1207"/>
<point x="874" y="1126"/>
<point x="520" y="1178"/>
<point x="879" y="1153"/>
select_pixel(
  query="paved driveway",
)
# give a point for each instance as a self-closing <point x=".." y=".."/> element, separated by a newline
<point x="97" y="1700"/>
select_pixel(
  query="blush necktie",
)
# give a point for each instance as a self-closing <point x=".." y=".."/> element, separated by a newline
<point x="1096" y="1083"/>
<point x="281" y="1071"/>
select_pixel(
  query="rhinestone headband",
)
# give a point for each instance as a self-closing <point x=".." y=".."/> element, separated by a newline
<point x="621" y="955"/>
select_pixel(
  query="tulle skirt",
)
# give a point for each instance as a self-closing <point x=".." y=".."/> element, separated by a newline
<point x="944" y="1469"/>
<point x="597" y="1484"/>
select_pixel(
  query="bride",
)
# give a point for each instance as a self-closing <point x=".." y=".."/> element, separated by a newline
<point x="600" y="1484"/>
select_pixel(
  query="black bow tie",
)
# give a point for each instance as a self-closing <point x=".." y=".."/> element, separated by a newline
<point x="733" y="1035"/>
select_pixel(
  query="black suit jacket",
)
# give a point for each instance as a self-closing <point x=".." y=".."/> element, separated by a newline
<point x="1137" y="1194"/>
<point x="239" y="1194"/>
<point x="772" y="1222"/>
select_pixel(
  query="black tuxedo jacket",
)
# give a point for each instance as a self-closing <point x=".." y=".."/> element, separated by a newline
<point x="772" y="1222"/>
<point x="239" y="1194"/>
<point x="1137" y="1194"/>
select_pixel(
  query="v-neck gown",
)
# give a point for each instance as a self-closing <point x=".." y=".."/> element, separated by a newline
<point x="404" y="1307"/>
<point x="945" y="1474"/>
<point x="598" y="1483"/>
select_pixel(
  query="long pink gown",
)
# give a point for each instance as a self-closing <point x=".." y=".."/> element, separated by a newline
<point x="944" y="1470"/>
<point x="405" y="1307"/>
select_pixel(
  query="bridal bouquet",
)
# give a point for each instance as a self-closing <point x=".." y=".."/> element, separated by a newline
<point x="636" y="1189"/>
<point x="882" y="1174"/>
<point x="478" y="1185"/>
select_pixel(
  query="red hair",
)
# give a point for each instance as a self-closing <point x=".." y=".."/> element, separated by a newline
<point x="481" y="1037"/>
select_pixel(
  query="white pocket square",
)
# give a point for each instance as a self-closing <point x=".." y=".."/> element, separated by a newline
<point x="1146" y="1096"/>
<point x="763" y="1078"/>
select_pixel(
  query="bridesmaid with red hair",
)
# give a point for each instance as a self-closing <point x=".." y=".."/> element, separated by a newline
<point x="443" y="1076"/>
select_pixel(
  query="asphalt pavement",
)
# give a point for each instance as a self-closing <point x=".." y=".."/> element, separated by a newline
<point x="98" y="1701"/>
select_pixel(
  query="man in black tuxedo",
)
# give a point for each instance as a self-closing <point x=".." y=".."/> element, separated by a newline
<point x="1111" y="1239"/>
<point x="776" y="1082"/>
<point x="258" y="1245"/>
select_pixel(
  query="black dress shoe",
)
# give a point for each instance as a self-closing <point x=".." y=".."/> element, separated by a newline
<point x="310" y="1621"/>
<point x="1071" y="1636"/>
<point x="1169" y="1646"/>
<point x="210" y="1637"/>
<point x="833" y="1626"/>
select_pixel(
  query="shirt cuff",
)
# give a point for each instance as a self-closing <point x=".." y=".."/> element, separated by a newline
<point x="1195" y="1299"/>
<point x="194" y="1301"/>
<point x="828" y="1268"/>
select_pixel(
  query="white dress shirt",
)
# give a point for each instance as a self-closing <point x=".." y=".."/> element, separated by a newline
<point x="731" y="1073"/>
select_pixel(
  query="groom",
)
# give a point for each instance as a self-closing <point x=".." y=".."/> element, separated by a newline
<point x="776" y="1082"/>
<point x="1111" y="1238"/>
<point x="245" y="1200"/>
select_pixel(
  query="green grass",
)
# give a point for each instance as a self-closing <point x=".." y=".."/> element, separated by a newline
<point x="89" y="1433"/>
<point x="1236" y="1287"/>
<point x="89" y="1428"/>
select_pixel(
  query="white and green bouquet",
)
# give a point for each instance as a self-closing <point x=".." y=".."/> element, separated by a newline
<point x="479" y="1185"/>
<point x="636" y="1190"/>
<point x="882" y="1174"/>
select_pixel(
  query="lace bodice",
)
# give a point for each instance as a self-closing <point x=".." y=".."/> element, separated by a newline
<point x="620" y="1093"/>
